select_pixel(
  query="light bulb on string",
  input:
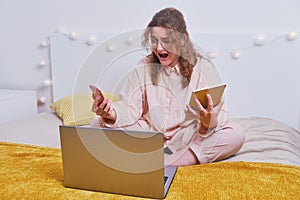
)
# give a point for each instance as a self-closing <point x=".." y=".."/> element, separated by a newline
<point x="211" y="54"/>
<point x="43" y="100"/>
<point x="73" y="35"/>
<point x="47" y="83"/>
<point x="91" y="40"/>
<point x="291" y="36"/>
<point x="235" y="54"/>
<point x="129" y="40"/>
<point x="110" y="48"/>
<point x="42" y="63"/>
<point x="44" y="44"/>
<point x="259" y="40"/>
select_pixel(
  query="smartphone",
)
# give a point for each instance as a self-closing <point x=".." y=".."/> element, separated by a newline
<point x="97" y="92"/>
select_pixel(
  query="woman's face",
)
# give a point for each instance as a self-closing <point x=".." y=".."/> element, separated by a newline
<point x="163" y="47"/>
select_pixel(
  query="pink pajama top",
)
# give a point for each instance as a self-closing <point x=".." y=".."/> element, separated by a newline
<point x="161" y="107"/>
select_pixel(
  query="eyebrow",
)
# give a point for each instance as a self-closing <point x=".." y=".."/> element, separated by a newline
<point x="163" y="38"/>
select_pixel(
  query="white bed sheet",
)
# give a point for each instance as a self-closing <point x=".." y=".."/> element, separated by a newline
<point x="268" y="140"/>
<point x="41" y="130"/>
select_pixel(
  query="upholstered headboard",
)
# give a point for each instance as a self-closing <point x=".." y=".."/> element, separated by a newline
<point x="261" y="71"/>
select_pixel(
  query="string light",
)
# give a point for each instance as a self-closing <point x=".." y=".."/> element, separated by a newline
<point x="129" y="40"/>
<point x="235" y="54"/>
<point x="211" y="54"/>
<point x="91" y="40"/>
<point x="291" y="36"/>
<point x="110" y="48"/>
<point x="43" y="100"/>
<point x="44" y="44"/>
<point x="47" y="83"/>
<point x="73" y="35"/>
<point x="42" y="63"/>
<point x="259" y="40"/>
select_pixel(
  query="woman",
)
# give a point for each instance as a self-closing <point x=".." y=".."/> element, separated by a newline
<point x="157" y="93"/>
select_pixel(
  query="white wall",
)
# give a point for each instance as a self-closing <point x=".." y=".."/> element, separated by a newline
<point x="25" y="24"/>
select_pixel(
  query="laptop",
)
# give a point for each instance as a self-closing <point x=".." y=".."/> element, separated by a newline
<point x="115" y="161"/>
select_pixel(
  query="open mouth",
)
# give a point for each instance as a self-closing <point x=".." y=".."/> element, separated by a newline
<point x="163" y="55"/>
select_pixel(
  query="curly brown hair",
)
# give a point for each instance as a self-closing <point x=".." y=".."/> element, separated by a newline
<point x="173" y="21"/>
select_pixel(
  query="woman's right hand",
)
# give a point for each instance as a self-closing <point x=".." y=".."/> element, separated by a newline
<point x="103" y="108"/>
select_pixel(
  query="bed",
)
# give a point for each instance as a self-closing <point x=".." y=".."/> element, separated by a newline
<point x="267" y="166"/>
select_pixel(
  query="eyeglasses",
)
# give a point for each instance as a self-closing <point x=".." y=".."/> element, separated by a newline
<point x="165" y="43"/>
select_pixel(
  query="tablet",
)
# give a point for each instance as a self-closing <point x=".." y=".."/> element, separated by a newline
<point x="216" y="93"/>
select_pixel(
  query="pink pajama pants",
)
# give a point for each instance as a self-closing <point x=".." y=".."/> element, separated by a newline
<point x="218" y="146"/>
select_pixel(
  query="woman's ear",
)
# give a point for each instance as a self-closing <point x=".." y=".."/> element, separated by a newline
<point x="183" y="40"/>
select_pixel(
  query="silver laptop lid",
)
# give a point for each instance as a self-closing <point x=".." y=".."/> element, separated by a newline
<point x="114" y="161"/>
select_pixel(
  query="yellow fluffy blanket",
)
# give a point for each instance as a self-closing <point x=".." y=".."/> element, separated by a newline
<point x="31" y="172"/>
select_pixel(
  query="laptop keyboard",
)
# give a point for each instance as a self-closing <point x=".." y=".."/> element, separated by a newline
<point x="165" y="179"/>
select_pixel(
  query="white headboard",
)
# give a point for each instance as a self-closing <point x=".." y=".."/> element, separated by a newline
<point x="263" y="81"/>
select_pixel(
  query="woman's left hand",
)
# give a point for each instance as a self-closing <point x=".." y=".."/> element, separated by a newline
<point x="209" y="116"/>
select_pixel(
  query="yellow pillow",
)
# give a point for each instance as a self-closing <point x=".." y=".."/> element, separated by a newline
<point x="76" y="109"/>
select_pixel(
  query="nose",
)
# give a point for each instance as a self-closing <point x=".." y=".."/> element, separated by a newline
<point x="160" y="46"/>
